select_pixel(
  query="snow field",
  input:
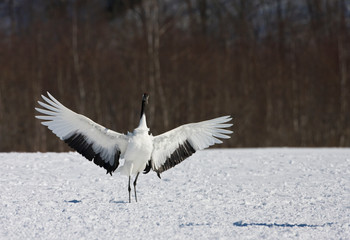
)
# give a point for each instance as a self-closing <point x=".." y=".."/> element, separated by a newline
<point x="273" y="193"/>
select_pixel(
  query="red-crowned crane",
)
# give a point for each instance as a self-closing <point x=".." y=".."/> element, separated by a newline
<point x="140" y="150"/>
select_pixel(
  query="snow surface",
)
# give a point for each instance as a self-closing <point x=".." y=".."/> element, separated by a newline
<point x="216" y="194"/>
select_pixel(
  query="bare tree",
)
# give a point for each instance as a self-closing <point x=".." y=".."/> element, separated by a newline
<point x="152" y="27"/>
<point x="76" y="59"/>
<point x="344" y="55"/>
<point x="280" y="67"/>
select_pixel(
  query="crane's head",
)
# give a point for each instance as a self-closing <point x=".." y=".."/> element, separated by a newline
<point x="145" y="97"/>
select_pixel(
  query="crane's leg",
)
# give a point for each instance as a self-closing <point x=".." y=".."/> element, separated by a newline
<point x="129" y="189"/>
<point x="135" y="185"/>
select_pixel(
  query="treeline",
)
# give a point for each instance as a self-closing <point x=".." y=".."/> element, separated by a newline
<point x="279" y="67"/>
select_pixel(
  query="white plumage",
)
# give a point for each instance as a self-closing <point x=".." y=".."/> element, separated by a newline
<point x="140" y="150"/>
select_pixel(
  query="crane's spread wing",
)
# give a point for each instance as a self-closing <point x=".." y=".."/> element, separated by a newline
<point x="172" y="147"/>
<point x="90" y="139"/>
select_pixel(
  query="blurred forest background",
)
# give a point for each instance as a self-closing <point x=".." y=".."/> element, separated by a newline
<point x="281" y="68"/>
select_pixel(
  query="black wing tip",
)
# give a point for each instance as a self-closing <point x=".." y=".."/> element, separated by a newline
<point x="184" y="151"/>
<point x="110" y="168"/>
<point x="148" y="167"/>
<point x="78" y="142"/>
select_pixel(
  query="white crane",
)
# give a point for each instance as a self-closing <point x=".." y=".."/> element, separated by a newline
<point x="140" y="150"/>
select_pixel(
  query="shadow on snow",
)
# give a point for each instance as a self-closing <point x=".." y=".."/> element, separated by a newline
<point x="117" y="202"/>
<point x="73" y="201"/>
<point x="303" y="225"/>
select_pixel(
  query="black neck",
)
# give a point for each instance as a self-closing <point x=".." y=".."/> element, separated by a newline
<point x="143" y="108"/>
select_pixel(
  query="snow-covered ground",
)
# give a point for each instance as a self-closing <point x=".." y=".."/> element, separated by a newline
<point x="271" y="193"/>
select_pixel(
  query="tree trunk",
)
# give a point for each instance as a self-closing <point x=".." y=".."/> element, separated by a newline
<point x="76" y="60"/>
<point x="41" y="139"/>
<point x="343" y="52"/>
<point x="153" y="44"/>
